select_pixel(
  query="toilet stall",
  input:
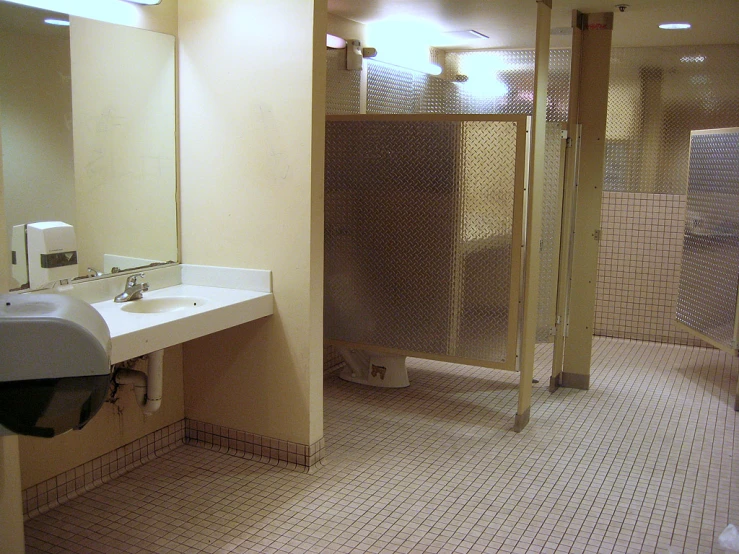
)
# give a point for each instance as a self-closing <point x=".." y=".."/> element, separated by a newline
<point x="707" y="302"/>
<point x="424" y="240"/>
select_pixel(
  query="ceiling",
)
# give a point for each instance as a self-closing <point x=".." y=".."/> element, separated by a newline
<point x="512" y="23"/>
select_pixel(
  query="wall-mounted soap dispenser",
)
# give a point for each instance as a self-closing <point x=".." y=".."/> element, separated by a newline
<point x="52" y="252"/>
<point x="54" y="363"/>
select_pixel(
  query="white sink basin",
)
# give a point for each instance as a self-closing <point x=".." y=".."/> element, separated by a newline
<point x="163" y="304"/>
<point x="178" y="313"/>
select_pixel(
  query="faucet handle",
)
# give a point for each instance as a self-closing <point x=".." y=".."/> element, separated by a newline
<point x="133" y="279"/>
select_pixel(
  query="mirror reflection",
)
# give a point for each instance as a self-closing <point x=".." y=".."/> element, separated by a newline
<point x="87" y="122"/>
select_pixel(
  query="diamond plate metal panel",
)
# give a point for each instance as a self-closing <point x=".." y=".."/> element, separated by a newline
<point x="418" y="236"/>
<point x="707" y="297"/>
<point x="435" y="95"/>
<point x="389" y="89"/>
<point x="342" y="86"/>
<point x="656" y="97"/>
<point x="394" y="90"/>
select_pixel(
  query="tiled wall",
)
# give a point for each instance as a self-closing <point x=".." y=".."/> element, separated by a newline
<point x="52" y="492"/>
<point x="639" y="267"/>
<point x="290" y="455"/>
<point x="656" y="97"/>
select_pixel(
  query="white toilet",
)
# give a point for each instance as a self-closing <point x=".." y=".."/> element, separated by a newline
<point x="374" y="368"/>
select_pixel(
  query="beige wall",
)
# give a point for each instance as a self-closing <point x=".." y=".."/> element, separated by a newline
<point x="123" y="95"/>
<point x="252" y="86"/>
<point x="346" y="29"/>
<point x="115" y="424"/>
<point x="11" y="529"/>
<point x="36" y="128"/>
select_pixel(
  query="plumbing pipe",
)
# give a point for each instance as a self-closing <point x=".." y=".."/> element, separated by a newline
<point x="147" y="386"/>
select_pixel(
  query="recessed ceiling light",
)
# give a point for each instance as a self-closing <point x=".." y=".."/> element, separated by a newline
<point x="674" y="26"/>
<point x="60" y="22"/>
<point x="693" y="59"/>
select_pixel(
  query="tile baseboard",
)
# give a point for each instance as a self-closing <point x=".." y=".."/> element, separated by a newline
<point x="61" y="488"/>
<point x="290" y="455"/>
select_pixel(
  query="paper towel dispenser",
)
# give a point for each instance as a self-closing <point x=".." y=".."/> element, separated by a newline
<point x="54" y="363"/>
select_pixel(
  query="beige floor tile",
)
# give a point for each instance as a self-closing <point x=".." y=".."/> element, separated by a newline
<point x="644" y="460"/>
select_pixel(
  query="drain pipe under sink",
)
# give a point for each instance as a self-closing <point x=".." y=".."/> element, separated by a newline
<point x="147" y="385"/>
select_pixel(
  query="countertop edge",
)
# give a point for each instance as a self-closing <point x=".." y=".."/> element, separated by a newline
<point x="150" y="339"/>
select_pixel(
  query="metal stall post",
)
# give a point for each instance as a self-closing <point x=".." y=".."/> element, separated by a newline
<point x="592" y="103"/>
<point x="533" y="221"/>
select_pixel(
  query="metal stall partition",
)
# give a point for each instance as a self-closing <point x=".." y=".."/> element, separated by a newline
<point x="424" y="235"/>
<point x="709" y="280"/>
<point x="707" y="299"/>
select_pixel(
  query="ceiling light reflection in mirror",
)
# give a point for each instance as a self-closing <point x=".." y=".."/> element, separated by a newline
<point x="112" y="11"/>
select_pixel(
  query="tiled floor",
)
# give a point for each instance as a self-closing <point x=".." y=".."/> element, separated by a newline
<point x="643" y="461"/>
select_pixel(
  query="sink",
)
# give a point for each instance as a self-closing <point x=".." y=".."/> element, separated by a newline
<point x="162" y="304"/>
<point x="173" y="313"/>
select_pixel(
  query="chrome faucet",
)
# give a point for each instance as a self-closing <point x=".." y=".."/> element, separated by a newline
<point x="134" y="289"/>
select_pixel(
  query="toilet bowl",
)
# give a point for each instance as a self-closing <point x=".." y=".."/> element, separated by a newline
<point x="374" y="368"/>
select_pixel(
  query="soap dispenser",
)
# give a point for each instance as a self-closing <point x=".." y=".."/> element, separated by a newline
<point x="52" y="252"/>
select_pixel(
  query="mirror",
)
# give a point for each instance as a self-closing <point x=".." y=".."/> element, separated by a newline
<point x="87" y="122"/>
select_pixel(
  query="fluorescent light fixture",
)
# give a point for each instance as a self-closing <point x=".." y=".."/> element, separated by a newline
<point x="483" y="71"/>
<point x="404" y="43"/>
<point x="469" y="34"/>
<point x="332" y="41"/>
<point x="110" y="11"/>
<point x="60" y="22"/>
<point x="693" y="59"/>
<point x="430" y="68"/>
<point x="674" y="26"/>
<point x="145" y="2"/>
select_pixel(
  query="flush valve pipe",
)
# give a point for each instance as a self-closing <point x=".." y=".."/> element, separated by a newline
<point x="146" y="377"/>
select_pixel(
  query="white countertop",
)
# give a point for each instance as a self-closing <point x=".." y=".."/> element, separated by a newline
<point x="136" y="334"/>
<point x="230" y="297"/>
